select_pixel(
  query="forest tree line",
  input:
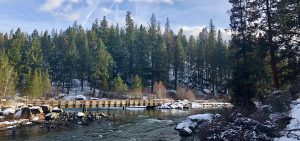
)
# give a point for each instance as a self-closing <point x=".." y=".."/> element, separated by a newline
<point x="109" y="55"/>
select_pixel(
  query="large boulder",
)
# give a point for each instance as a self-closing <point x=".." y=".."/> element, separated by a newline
<point x="9" y="113"/>
<point x="38" y="114"/>
<point x="186" y="127"/>
<point x="46" y="108"/>
<point x="26" y="113"/>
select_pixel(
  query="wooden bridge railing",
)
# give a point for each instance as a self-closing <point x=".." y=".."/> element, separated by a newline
<point x="118" y="103"/>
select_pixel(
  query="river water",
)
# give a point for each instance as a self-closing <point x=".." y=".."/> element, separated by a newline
<point x="128" y="125"/>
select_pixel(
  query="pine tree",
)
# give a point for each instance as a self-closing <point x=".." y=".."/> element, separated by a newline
<point x="102" y="66"/>
<point x="211" y="65"/>
<point x="244" y="76"/>
<point x="153" y="36"/>
<point x="222" y="62"/>
<point x="16" y="44"/>
<point x="70" y="63"/>
<point x="119" y="85"/>
<point x="35" y="57"/>
<point x="288" y="22"/>
<point x="201" y="58"/>
<point x="37" y="85"/>
<point x="130" y="44"/>
<point x="8" y="77"/>
<point x="137" y="85"/>
<point x="160" y="61"/>
<point x="46" y="82"/>
<point x="46" y="48"/>
<point x="268" y="9"/>
<point x="179" y="59"/>
<point x="192" y="59"/>
<point x="2" y="41"/>
<point x="84" y="59"/>
<point x="169" y="41"/>
<point x="33" y="87"/>
<point x="143" y="68"/>
<point x="104" y="31"/>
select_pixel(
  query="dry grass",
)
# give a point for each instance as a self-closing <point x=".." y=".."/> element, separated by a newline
<point x="160" y="90"/>
<point x="185" y="93"/>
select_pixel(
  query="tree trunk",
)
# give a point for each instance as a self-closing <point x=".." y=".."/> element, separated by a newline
<point x="175" y="73"/>
<point x="81" y="83"/>
<point x="6" y="83"/>
<point x="272" y="49"/>
<point x="94" y="92"/>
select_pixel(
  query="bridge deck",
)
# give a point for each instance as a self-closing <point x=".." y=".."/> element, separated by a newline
<point x="99" y="103"/>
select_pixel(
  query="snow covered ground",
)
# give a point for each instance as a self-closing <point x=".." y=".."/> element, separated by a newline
<point x="75" y="91"/>
<point x="292" y="131"/>
<point x="180" y="104"/>
<point x="186" y="104"/>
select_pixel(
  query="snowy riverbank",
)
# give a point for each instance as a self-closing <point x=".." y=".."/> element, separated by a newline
<point x="292" y="131"/>
<point x="45" y="116"/>
<point x="186" y="104"/>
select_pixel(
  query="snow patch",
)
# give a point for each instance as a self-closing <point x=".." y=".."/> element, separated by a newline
<point x="151" y="120"/>
<point x="179" y="104"/>
<point x="294" y="123"/>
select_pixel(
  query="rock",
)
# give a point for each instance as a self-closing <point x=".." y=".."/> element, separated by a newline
<point x="185" y="132"/>
<point x="38" y="114"/>
<point x="28" y="123"/>
<point x="187" y="126"/>
<point x="9" y="111"/>
<point x="26" y="113"/>
<point x="11" y="127"/>
<point x="103" y="115"/>
<point x="48" y="116"/>
<point x="46" y="108"/>
<point x="80" y="114"/>
<point x="57" y="110"/>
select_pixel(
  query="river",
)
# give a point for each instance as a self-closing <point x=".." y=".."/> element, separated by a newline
<point x="128" y="125"/>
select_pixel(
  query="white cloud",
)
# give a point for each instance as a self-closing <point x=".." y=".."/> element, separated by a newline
<point x="50" y="5"/>
<point x="154" y="1"/>
<point x="192" y="30"/>
<point x="106" y="11"/>
<point x="62" y="9"/>
<point x="118" y="1"/>
<point x="195" y="30"/>
<point x="72" y="16"/>
<point x="74" y="1"/>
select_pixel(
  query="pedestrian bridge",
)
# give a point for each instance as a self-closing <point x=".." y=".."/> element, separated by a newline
<point x="118" y="103"/>
<point x="100" y="103"/>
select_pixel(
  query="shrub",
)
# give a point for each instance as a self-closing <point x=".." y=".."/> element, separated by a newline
<point x="160" y="90"/>
<point x="185" y="93"/>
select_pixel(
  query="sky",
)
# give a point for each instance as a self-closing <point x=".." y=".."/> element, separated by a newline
<point x="191" y="15"/>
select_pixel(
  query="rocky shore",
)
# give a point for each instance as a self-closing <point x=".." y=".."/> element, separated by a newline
<point x="46" y="117"/>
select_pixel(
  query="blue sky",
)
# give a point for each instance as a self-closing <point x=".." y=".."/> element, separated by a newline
<point x="191" y="15"/>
